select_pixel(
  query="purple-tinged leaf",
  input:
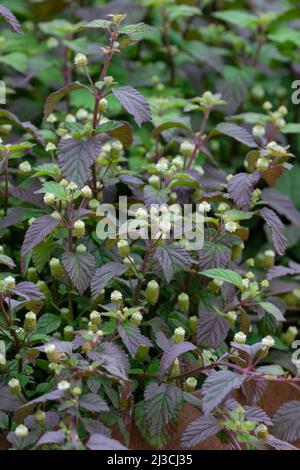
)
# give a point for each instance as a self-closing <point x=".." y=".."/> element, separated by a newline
<point x="161" y="404"/>
<point x="281" y="204"/>
<point x="278" y="444"/>
<point x="24" y="125"/>
<point x="102" y="442"/>
<point x="217" y="386"/>
<point x="37" y="232"/>
<point x="134" y="103"/>
<point x="287" y="421"/>
<point x="152" y="196"/>
<point x="277" y="229"/>
<point x="131" y="181"/>
<point x="273" y="310"/>
<point x="65" y="347"/>
<point x="163" y="342"/>
<point x="113" y="359"/>
<point x="51" y="396"/>
<point x="52" y="437"/>
<point x="199" y="430"/>
<point x="10" y="19"/>
<point x="172" y="353"/>
<point x="212" y="329"/>
<point x="172" y="258"/>
<point x="214" y="255"/>
<point x="75" y="158"/>
<point x="279" y="271"/>
<point x="8" y="401"/>
<point x="240" y="189"/>
<point x="51" y="422"/>
<point x="28" y="291"/>
<point x="80" y="268"/>
<point x="257" y="414"/>
<point x="253" y="390"/>
<point x="104" y="274"/>
<point x="132" y="337"/>
<point x="93" y="402"/>
<point x="236" y="132"/>
<point x="251" y="350"/>
<point x="16" y="215"/>
<point x="58" y="95"/>
<point x="27" y="195"/>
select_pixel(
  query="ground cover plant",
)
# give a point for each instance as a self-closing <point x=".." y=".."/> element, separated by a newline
<point x="109" y="325"/>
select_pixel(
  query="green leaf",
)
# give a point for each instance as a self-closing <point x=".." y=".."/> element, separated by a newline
<point x="120" y="130"/>
<point x="7" y="261"/>
<point x="135" y="28"/>
<point x="241" y="18"/>
<point x="57" y="189"/>
<point x="291" y="128"/>
<point x="169" y="125"/>
<point x="182" y="11"/>
<point x="95" y="24"/>
<point x="236" y="215"/>
<point x="225" y="275"/>
<point x="41" y="254"/>
<point x="48" y="323"/>
<point x="272" y="310"/>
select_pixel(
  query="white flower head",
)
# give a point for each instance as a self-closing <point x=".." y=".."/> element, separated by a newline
<point x="162" y="164"/>
<point x="49" y="348"/>
<point x="51" y="119"/>
<point x="141" y="214"/>
<point x="231" y="227"/>
<point x="50" y="146"/>
<point x="63" y="385"/>
<point x="204" y="206"/>
<point x="72" y="186"/>
<point x="21" y="431"/>
<point x="116" y="296"/>
<point x="240" y="338"/>
<point x="80" y="60"/>
<point x="9" y="282"/>
<point x="268" y="341"/>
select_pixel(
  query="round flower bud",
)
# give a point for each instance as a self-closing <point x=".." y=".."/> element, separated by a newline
<point x="81" y="114"/>
<point x="72" y="186"/>
<point x="51" y="119"/>
<point x="64" y="183"/>
<point x="40" y="417"/>
<point x="183" y="302"/>
<point x="289" y="335"/>
<point x="95" y="317"/>
<point x="50" y="146"/>
<point x="187" y="148"/>
<point x="51" y="352"/>
<point x="116" y="149"/>
<point x="80" y="60"/>
<point x="262" y="164"/>
<point x="86" y="192"/>
<point x="258" y="131"/>
<point x="141" y="214"/>
<point x="283" y="110"/>
<point x="103" y="105"/>
<point x="123" y="248"/>
<point x="117" y="297"/>
<point x="136" y="318"/>
<point x="268" y="259"/>
<point x="21" y="431"/>
<point x="268" y="342"/>
<point x="70" y="118"/>
<point x="231" y="227"/>
<point x="76" y="391"/>
<point x="68" y="333"/>
<point x="32" y="275"/>
<point x="49" y="199"/>
<point x="190" y="385"/>
<point x="154" y="181"/>
<point x="14" y="386"/>
<point x="267" y="106"/>
<point x="246" y="284"/>
<point x="250" y="275"/>
<point x="179" y="335"/>
<point x="240" y="338"/>
<point x="63" y="385"/>
<point x="193" y="324"/>
<point x="231" y="317"/>
<point x="79" y="229"/>
<point x="30" y="322"/>
<point x="261" y="432"/>
<point x="24" y="168"/>
<point x="265" y="283"/>
<point x="56" y="268"/>
<point x="81" y="248"/>
<point x="93" y="204"/>
<point x="152" y="292"/>
<point x="178" y="162"/>
<point x="9" y="282"/>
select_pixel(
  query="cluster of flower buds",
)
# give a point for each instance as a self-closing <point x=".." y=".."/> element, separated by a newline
<point x="152" y="292"/>
<point x="56" y="269"/>
<point x="15" y="386"/>
<point x="30" y="322"/>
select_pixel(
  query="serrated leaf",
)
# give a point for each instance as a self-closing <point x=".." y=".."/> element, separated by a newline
<point x="27" y="126"/>
<point x="199" y="430"/>
<point x="174" y="351"/>
<point x="134" y="103"/>
<point x="240" y="189"/>
<point x="214" y="255"/>
<point x="95" y="24"/>
<point x="41" y="254"/>
<point x="135" y="28"/>
<point x="57" y="189"/>
<point x="277" y="229"/>
<point x="217" y="386"/>
<point x="281" y="204"/>
<point x="80" y="267"/>
<point x="225" y="275"/>
<point x="132" y="337"/>
<point x="102" y="442"/>
<point x="153" y="196"/>
<point x="236" y="132"/>
<point x="278" y="444"/>
<point x="272" y="310"/>
<point x="93" y="402"/>
<point x="37" y="232"/>
<point x="10" y="19"/>
<point x="104" y="274"/>
<point x="52" y="437"/>
<point x="120" y="130"/>
<point x="7" y="261"/>
<point x="287" y="421"/>
<point x="212" y="329"/>
<point x="26" y="195"/>
<point x="58" y="95"/>
<point x="75" y="158"/>
<point x="48" y="323"/>
<point x="172" y="258"/>
<point x="161" y="403"/>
